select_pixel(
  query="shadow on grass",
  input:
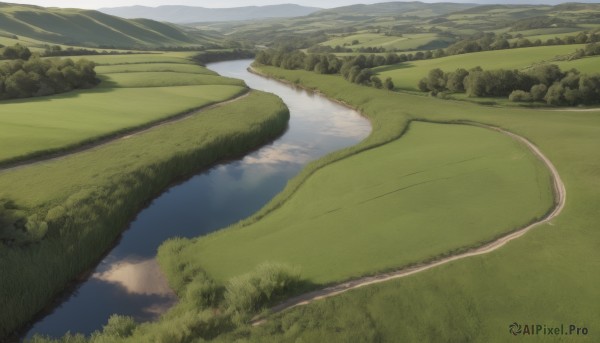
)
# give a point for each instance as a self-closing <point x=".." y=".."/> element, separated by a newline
<point x="405" y="65"/>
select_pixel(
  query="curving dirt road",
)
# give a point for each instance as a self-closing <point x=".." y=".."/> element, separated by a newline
<point x="112" y="138"/>
<point x="560" y="195"/>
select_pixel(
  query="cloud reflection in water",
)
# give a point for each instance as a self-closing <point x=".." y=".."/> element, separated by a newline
<point x="137" y="277"/>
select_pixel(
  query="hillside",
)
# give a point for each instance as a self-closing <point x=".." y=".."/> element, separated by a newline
<point x="91" y="28"/>
<point x="189" y="14"/>
<point x="417" y="9"/>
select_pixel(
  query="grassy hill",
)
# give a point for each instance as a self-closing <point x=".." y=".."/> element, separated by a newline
<point x="91" y="28"/>
<point x="192" y="14"/>
<point x="397" y="25"/>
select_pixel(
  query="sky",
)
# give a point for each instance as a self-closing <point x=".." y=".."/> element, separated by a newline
<point x="95" y="4"/>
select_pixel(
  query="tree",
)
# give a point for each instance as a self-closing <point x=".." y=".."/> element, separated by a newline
<point x="538" y="92"/>
<point x="389" y="84"/>
<point x="376" y="81"/>
<point x="455" y="80"/>
<point x="555" y="94"/>
<point x="436" y="80"/>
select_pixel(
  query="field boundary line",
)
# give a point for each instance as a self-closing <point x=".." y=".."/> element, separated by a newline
<point x="128" y="133"/>
<point x="560" y="196"/>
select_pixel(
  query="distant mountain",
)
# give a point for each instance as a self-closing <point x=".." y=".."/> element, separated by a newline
<point x="527" y="2"/>
<point x="188" y="14"/>
<point x="91" y="28"/>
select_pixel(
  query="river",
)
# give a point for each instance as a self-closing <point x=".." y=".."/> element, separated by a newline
<point x="128" y="281"/>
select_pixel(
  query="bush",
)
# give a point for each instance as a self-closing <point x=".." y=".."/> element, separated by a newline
<point x="538" y="92"/>
<point x="520" y="96"/>
<point x="248" y="293"/>
<point x="119" y="326"/>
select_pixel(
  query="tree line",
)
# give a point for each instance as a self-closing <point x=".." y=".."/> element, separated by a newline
<point x="41" y="77"/>
<point x="356" y="69"/>
<point x="222" y="55"/>
<point x="547" y="83"/>
<point x="58" y="51"/>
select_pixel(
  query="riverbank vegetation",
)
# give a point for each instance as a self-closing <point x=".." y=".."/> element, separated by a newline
<point x="85" y="205"/>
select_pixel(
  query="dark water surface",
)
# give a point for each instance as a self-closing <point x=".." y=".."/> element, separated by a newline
<point x="128" y="281"/>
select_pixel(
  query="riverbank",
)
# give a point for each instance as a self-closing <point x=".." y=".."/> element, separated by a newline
<point x="87" y="200"/>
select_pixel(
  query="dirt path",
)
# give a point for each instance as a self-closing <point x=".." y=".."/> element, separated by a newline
<point x="110" y="139"/>
<point x="560" y="199"/>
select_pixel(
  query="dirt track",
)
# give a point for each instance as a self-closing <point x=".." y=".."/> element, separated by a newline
<point x="560" y="195"/>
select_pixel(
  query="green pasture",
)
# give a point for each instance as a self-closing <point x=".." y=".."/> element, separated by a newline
<point x="103" y="60"/>
<point x="153" y="67"/>
<point x="406" y="42"/>
<point x="407" y="75"/>
<point x="166" y="79"/>
<point x="588" y="65"/>
<point x="437" y="189"/>
<point x="544" y="277"/>
<point x="50" y="123"/>
<point x="130" y="95"/>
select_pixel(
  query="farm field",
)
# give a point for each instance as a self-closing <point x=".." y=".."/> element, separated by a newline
<point x="406" y="42"/>
<point x="439" y="188"/>
<point x="407" y="75"/>
<point x="121" y="102"/>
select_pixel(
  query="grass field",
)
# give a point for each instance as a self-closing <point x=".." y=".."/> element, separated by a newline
<point x="544" y="277"/>
<point x="407" y="75"/>
<point x="408" y="201"/>
<point x="122" y="101"/>
<point x="154" y="67"/>
<point x="406" y="42"/>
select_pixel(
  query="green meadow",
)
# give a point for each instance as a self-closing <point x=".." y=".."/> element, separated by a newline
<point x="407" y="75"/>
<point x="411" y="200"/>
<point x="122" y="102"/>
<point x="376" y="40"/>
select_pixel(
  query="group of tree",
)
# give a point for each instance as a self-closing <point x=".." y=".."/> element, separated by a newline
<point x="40" y="77"/>
<point x="541" y="83"/>
<point x="15" y="52"/>
<point x="222" y="55"/>
<point x="356" y="69"/>
<point x="57" y="51"/>
<point x="491" y="41"/>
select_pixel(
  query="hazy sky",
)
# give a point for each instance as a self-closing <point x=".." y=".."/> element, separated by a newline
<point x="236" y="3"/>
<point x="202" y="3"/>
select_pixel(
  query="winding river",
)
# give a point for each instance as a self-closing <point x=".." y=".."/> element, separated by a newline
<point x="128" y="281"/>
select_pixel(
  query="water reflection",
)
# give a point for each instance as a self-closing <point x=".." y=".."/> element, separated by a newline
<point x="129" y="282"/>
<point x="280" y="153"/>
<point x="141" y="277"/>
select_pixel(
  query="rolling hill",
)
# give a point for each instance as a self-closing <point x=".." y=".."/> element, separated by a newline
<point x="91" y="28"/>
<point x="189" y="14"/>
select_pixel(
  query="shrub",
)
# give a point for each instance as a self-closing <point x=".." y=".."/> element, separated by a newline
<point x="520" y="96"/>
<point x="538" y="92"/>
<point x="248" y="293"/>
